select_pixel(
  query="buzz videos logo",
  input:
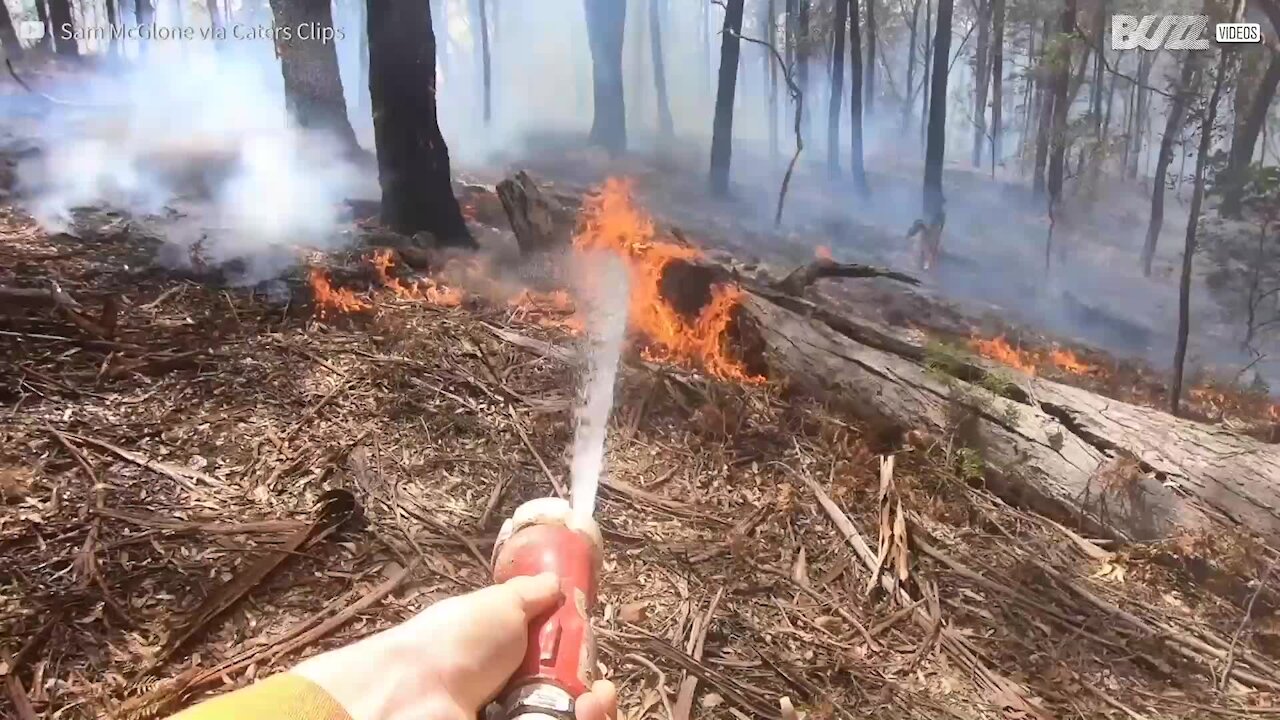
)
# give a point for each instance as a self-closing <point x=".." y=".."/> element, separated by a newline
<point x="1176" y="32"/>
<point x="30" y="30"/>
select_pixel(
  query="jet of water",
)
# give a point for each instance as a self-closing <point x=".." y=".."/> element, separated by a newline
<point x="604" y="292"/>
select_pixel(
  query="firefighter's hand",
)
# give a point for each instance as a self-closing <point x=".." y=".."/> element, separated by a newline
<point x="449" y="661"/>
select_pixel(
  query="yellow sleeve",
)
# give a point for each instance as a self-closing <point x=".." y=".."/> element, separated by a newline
<point x="279" y="697"/>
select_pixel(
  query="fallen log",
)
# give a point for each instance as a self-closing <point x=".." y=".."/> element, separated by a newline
<point x="1131" y="472"/>
<point x="802" y="277"/>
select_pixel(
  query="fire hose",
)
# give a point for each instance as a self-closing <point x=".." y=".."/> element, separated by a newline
<point x="546" y="535"/>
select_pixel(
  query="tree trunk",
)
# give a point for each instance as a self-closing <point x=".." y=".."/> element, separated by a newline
<point x="215" y="15"/>
<point x="935" y="145"/>
<point x="61" y="19"/>
<point x="997" y="76"/>
<point x="1173" y="124"/>
<point x="802" y="65"/>
<point x="362" y="77"/>
<point x="1207" y="117"/>
<point x="666" y="126"/>
<point x="981" y="68"/>
<point x="837" y="88"/>
<point x="1145" y="62"/>
<point x="113" y="21"/>
<point x="772" y="70"/>
<point x="926" y="70"/>
<point x="869" y="86"/>
<point x="144" y="13"/>
<point x="1099" y="60"/>
<point x="413" y="160"/>
<point x="1030" y="100"/>
<point x="1243" y="141"/>
<point x="606" y="23"/>
<point x="909" y="96"/>
<point x="9" y="36"/>
<point x="856" y="167"/>
<point x="722" y="127"/>
<point x="312" y="85"/>
<point x="1061" y="82"/>
<point x="486" y="67"/>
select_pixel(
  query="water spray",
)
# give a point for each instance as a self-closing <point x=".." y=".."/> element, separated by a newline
<point x="553" y="535"/>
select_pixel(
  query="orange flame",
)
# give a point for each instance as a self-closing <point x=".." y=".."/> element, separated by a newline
<point x="822" y="252"/>
<point x="1001" y="351"/>
<point x="611" y="221"/>
<point x="1067" y="360"/>
<point x="328" y="298"/>
<point x="426" y="289"/>
<point x="1274" y="413"/>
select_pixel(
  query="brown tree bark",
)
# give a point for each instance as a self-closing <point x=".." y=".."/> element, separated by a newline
<point x="1145" y="63"/>
<point x="856" y="167"/>
<point x="935" y="144"/>
<point x="726" y="88"/>
<point x="606" y="25"/>
<point x="926" y="69"/>
<point x="1207" y="117"/>
<point x="312" y="85"/>
<point x="841" y="18"/>
<point x="413" y="160"/>
<point x="1044" y="121"/>
<point x="1173" y="123"/>
<point x="64" y="44"/>
<point x="1061" y="82"/>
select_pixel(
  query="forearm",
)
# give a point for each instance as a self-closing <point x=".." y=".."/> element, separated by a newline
<point x="286" y="696"/>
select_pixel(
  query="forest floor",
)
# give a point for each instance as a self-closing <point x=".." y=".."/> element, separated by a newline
<point x="161" y="535"/>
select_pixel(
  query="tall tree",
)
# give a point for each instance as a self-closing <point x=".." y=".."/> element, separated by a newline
<point x="802" y="63"/>
<point x="771" y="69"/>
<point x="113" y="21"/>
<point x="722" y="127"/>
<point x="841" y="18"/>
<point x="908" y="97"/>
<point x="1061" y="83"/>
<point x="997" y="76"/>
<point x="606" y="24"/>
<point x="856" y="167"/>
<point x="1207" y="117"/>
<point x="1145" y="63"/>
<point x="413" y="160"/>
<point x="1249" y="122"/>
<point x="144" y="13"/>
<point x="312" y="85"/>
<point x="362" y="75"/>
<point x="666" y="126"/>
<point x="486" y="68"/>
<point x="926" y="69"/>
<point x="1044" y="108"/>
<point x="869" y="84"/>
<point x="60" y="17"/>
<point x="1173" y="125"/>
<point x="9" y="36"/>
<point x="45" y="43"/>
<point x="936" y="142"/>
<point x="981" y="67"/>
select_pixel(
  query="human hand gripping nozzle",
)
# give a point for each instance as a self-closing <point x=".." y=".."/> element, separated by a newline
<point x="546" y="535"/>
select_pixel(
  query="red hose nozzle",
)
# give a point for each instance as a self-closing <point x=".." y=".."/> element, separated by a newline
<point x="545" y="535"/>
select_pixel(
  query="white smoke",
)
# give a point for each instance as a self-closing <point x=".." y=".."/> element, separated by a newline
<point x="205" y="134"/>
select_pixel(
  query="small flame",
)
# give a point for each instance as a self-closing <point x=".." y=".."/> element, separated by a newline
<point x="1067" y="360"/>
<point x="548" y="309"/>
<point x="426" y="289"/>
<point x="330" y="299"/>
<point x="1001" y="351"/>
<point x="1274" y="413"/>
<point x="611" y="221"/>
<point x="822" y="252"/>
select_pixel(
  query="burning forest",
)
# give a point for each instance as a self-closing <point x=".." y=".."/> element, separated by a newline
<point x="313" y="316"/>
